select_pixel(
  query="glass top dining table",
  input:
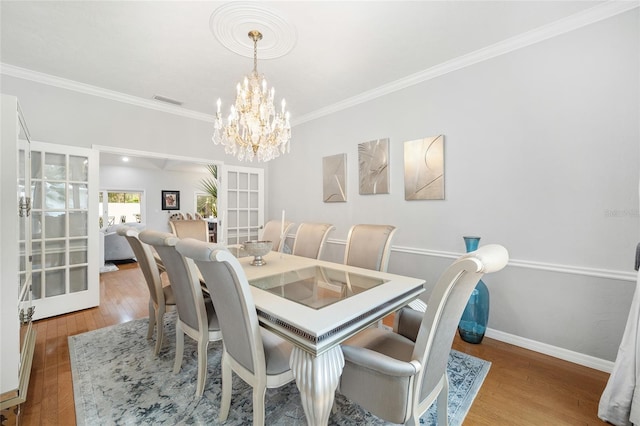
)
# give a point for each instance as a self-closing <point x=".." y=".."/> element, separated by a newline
<point x="316" y="305"/>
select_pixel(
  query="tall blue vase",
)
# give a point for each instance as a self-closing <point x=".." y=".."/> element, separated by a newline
<point x="475" y="317"/>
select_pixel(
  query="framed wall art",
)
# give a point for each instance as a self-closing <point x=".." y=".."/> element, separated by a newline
<point x="170" y="200"/>
<point x="334" y="178"/>
<point x="424" y="169"/>
<point x="373" y="167"/>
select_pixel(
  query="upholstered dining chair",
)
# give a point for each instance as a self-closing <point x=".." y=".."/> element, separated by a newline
<point x="176" y="216"/>
<point x="272" y="232"/>
<point x="410" y="363"/>
<point x="196" y="318"/>
<point x="310" y="239"/>
<point x="160" y="298"/>
<point x="256" y="355"/>
<point x="198" y="229"/>
<point x="369" y="246"/>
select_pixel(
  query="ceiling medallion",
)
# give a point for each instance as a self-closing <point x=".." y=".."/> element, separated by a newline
<point x="231" y="22"/>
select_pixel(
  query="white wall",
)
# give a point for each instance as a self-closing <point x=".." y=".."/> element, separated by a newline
<point x="58" y="115"/>
<point x="541" y="155"/>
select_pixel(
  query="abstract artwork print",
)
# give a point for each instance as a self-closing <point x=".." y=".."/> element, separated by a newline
<point x="334" y="178"/>
<point x="424" y="169"/>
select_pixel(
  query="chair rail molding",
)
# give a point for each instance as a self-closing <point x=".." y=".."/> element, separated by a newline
<point x="541" y="266"/>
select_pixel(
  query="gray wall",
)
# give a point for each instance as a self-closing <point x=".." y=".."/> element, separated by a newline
<point x="541" y="155"/>
<point x="58" y="115"/>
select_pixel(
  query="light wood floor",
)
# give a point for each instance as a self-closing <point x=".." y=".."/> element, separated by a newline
<point x="522" y="387"/>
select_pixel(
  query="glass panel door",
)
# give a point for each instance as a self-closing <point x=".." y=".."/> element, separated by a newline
<point x="244" y="205"/>
<point x="24" y="228"/>
<point x="64" y="234"/>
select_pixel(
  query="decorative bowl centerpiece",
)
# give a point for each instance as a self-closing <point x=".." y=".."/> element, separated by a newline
<point x="257" y="249"/>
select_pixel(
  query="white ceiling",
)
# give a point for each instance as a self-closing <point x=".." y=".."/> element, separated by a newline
<point x="343" y="48"/>
<point x="152" y="163"/>
<point x="143" y="48"/>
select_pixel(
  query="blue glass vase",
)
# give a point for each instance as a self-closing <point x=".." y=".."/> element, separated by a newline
<point x="475" y="317"/>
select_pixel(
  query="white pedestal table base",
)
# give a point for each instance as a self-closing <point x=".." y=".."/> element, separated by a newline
<point x="317" y="378"/>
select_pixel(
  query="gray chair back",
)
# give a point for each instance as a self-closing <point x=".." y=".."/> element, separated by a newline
<point x="310" y="239"/>
<point x="398" y="376"/>
<point x="146" y="262"/>
<point x="233" y="302"/>
<point x="188" y="228"/>
<point x="369" y="246"/>
<point x="272" y="232"/>
<point x="183" y="276"/>
<point x="444" y="310"/>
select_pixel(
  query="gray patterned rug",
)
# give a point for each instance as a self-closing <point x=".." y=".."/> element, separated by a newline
<point x="118" y="381"/>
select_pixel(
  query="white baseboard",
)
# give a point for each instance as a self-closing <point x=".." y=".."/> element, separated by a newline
<point x="554" y="351"/>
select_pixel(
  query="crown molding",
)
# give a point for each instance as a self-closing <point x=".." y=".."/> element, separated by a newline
<point x="562" y="26"/>
<point x="87" y="89"/>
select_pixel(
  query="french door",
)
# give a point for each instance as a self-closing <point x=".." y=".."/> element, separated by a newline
<point x="243" y="214"/>
<point x="64" y="233"/>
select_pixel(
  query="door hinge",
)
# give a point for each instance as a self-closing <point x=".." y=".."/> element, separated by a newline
<point x="24" y="206"/>
<point x="25" y="318"/>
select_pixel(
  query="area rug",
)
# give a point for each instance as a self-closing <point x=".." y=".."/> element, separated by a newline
<point x="108" y="267"/>
<point x="118" y="381"/>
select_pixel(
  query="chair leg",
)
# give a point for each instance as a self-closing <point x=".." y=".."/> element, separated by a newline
<point x="227" y="384"/>
<point x="258" y="404"/>
<point x="203" y="344"/>
<point x="179" y="348"/>
<point x="443" y="402"/>
<point x="152" y="318"/>
<point x="160" y="325"/>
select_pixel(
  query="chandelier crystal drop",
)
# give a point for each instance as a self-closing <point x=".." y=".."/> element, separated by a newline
<point x="254" y="128"/>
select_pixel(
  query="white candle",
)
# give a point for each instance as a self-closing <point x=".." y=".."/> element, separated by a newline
<point x="282" y="225"/>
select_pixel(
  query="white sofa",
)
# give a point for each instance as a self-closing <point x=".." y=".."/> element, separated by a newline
<point x="116" y="247"/>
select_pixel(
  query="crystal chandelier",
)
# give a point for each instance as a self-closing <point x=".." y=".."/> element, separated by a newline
<point x="254" y="128"/>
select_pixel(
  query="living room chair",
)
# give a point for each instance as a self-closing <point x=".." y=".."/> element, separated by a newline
<point x="256" y="355"/>
<point x="310" y="239"/>
<point x="271" y="232"/>
<point x="198" y="229"/>
<point x="410" y="363"/>
<point x="161" y="298"/>
<point x="369" y="246"/>
<point x="196" y="318"/>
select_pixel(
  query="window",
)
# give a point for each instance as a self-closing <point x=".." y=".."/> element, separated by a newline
<point x="120" y="207"/>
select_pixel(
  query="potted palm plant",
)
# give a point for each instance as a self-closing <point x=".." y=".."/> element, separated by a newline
<point x="209" y="206"/>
